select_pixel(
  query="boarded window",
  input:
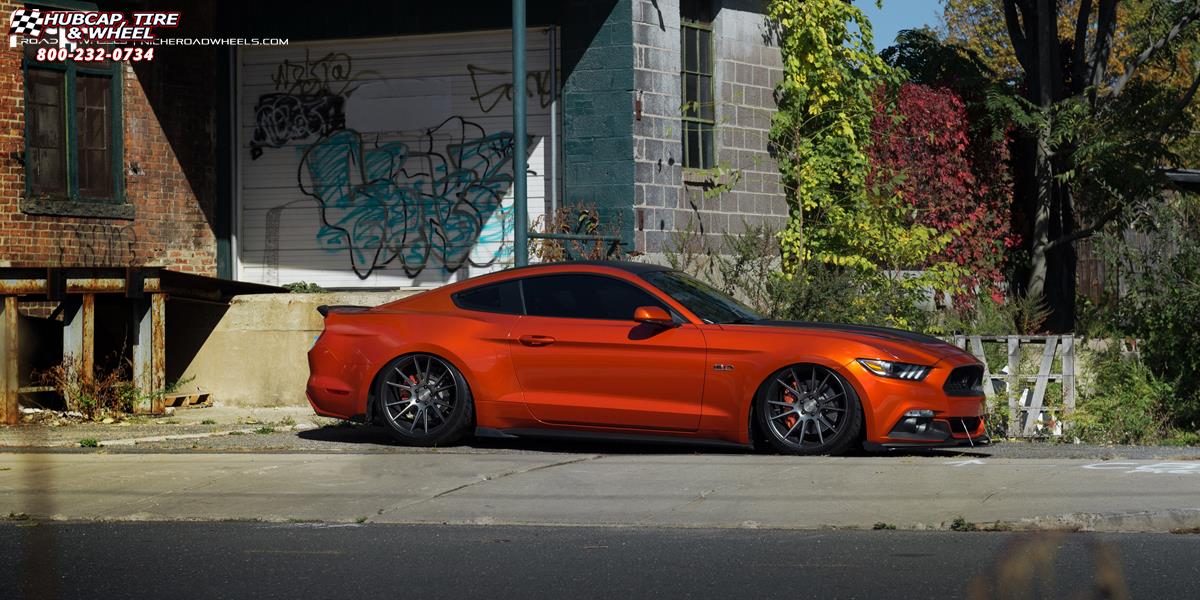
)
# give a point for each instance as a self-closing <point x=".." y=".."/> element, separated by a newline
<point x="93" y="117"/>
<point x="46" y="152"/>
<point x="72" y="151"/>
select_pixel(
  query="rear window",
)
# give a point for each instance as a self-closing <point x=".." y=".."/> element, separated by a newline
<point x="502" y="297"/>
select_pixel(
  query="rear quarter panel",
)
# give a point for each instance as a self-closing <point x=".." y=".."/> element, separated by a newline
<point x="355" y="347"/>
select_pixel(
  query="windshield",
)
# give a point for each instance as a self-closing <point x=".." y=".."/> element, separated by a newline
<point x="707" y="302"/>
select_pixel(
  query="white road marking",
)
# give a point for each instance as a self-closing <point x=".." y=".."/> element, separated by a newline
<point x="1172" y="468"/>
<point x="963" y="463"/>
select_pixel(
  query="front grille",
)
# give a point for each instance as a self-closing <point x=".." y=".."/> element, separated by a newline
<point x="965" y="381"/>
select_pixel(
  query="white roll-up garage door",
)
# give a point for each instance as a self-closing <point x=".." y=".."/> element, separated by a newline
<point x="384" y="162"/>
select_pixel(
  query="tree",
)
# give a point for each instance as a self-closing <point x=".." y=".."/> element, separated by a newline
<point x="1094" y="128"/>
<point x="819" y="135"/>
<point x="922" y="145"/>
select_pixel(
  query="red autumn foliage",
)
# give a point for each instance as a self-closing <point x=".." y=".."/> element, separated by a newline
<point x="955" y="180"/>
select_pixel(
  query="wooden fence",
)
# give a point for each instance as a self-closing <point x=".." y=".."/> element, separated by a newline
<point x="1030" y="414"/>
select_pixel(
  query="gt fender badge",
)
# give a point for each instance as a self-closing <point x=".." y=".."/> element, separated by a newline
<point x="722" y="367"/>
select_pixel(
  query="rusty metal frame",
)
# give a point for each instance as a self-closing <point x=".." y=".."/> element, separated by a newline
<point x="148" y="287"/>
<point x="10" y="413"/>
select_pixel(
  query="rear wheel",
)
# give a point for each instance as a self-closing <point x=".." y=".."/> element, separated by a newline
<point x="808" y="409"/>
<point x="424" y="401"/>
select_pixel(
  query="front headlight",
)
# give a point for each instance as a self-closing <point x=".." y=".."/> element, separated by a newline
<point x="895" y="370"/>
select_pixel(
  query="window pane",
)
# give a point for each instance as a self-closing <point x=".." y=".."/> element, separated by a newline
<point x="691" y="145"/>
<point x="706" y="142"/>
<point x="584" y="297"/>
<point x="707" y="109"/>
<point x="93" y="119"/>
<point x="46" y="158"/>
<point x="690" y="96"/>
<point x="500" y="297"/>
<point x="689" y="49"/>
<point x="705" y="47"/>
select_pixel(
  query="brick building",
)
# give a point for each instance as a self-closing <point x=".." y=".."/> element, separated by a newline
<point x="374" y="149"/>
<point x="128" y="177"/>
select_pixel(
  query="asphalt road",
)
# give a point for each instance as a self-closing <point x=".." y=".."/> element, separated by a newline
<point x="255" y="560"/>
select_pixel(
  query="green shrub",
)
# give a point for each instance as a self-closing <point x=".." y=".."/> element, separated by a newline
<point x="1124" y="403"/>
<point x="303" y="287"/>
<point x="1161" y="306"/>
<point x="747" y="266"/>
<point x="987" y="316"/>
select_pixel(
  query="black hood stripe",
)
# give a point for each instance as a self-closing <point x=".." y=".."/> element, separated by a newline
<point x="881" y="332"/>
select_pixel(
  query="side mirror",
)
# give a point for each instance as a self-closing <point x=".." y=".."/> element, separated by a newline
<point x="653" y="315"/>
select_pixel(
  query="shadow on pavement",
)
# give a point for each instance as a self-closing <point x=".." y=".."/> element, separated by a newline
<point x="378" y="436"/>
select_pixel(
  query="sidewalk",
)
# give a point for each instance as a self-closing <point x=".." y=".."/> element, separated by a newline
<point x="181" y="424"/>
<point x="555" y="488"/>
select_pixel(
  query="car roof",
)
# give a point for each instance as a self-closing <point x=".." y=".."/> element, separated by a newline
<point x="636" y="268"/>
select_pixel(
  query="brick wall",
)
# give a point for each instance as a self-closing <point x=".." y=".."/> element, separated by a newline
<point x="747" y="69"/>
<point x="169" y="157"/>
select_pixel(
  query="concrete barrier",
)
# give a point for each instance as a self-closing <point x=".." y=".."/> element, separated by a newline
<point x="256" y="354"/>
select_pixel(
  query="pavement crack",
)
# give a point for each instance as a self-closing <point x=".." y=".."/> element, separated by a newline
<point x="487" y="479"/>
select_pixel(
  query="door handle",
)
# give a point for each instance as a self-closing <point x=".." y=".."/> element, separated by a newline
<point x="536" y="340"/>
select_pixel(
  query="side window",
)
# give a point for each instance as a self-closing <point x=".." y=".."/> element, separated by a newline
<point x="498" y="298"/>
<point x="584" y="297"/>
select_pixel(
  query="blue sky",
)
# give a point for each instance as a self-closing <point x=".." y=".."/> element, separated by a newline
<point x="897" y="15"/>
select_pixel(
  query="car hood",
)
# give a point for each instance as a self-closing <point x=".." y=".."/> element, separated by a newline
<point x="896" y="344"/>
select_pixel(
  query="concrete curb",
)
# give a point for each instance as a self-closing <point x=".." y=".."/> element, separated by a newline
<point x="1116" y="522"/>
<point x="194" y="436"/>
<point x="1165" y="522"/>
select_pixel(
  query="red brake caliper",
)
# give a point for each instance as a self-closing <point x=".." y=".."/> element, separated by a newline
<point x="790" y="420"/>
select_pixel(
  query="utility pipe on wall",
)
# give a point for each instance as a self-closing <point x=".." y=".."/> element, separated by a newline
<point x="520" y="193"/>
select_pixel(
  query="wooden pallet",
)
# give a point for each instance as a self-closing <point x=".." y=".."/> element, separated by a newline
<point x="196" y="400"/>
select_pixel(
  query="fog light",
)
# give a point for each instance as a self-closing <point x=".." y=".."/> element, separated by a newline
<point x="922" y="413"/>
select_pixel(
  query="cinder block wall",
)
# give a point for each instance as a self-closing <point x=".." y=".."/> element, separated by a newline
<point x="747" y="68"/>
<point x="168" y="165"/>
<point x="597" y="104"/>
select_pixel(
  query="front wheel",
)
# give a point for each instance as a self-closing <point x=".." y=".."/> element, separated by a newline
<point x="424" y="401"/>
<point x="808" y="409"/>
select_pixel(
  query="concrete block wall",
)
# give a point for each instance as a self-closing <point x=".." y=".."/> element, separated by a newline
<point x="747" y="68"/>
<point x="597" y="106"/>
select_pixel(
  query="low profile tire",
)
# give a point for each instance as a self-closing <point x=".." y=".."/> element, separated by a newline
<point x="808" y="409"/>
<point x="423" y="401"/>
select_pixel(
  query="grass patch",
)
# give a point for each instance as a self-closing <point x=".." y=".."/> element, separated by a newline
<point x="881" y="526"/>
<point x="89" y="443"/>
<point x="961" y="524"/>
<point x="288" y="422"/>
<point x="208" y="422"/>
<point x="360" y="520"/>
<point x="237" y="433"/>
<point x="265" y="429"/>
<point x="16" y="516"/>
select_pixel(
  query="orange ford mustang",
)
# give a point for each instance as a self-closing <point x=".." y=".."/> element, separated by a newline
<point x="636" y="351"/>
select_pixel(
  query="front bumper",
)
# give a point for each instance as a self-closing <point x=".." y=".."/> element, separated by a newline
<point x="950" y="417"/>
<point x="982" y="440"/>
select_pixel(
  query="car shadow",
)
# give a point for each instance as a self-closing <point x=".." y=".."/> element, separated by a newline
<point x="349" y="433"/>
<point x="378" y="436"/>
